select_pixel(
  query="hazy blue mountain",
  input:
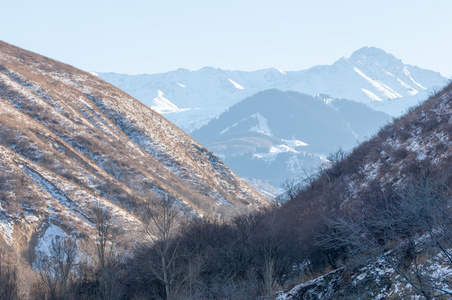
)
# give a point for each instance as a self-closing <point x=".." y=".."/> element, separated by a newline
<point x="370" y="75"/>
<point x="275" y="135"/>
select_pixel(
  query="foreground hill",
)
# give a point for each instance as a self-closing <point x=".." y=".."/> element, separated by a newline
<point x="69" y="142"/>
<point x="370" y="75"/>
<point x="274" y="135"/>
<point x="388" y="206"/>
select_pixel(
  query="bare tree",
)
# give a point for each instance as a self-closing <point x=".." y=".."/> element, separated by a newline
<point x="291" y="189"/>
<point x="161" y="220"/>
<point x="194" y="283"/>
<point x="56" y="269"/>
<point x="9" y="282"/>
<point x="336" y="162"/>
<point x="105" y="251"/>
<point x="269" y="273"/>
<point x="404" y="230"/>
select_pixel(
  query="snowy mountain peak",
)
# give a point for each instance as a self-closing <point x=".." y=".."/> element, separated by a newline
<point x="371" y="53"/>
<point x="183" y="70"/>
<point x="209" y="70"/>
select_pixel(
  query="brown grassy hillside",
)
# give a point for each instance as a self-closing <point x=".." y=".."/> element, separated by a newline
<point x="70" y="142"/>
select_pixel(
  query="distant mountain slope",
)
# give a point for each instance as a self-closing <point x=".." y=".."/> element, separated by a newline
<point x="70" y="142"/>
<point x="191" y="98"/>
<point x="274" y="135"/>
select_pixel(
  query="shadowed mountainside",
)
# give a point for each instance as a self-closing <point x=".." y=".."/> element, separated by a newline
<point x="383" y="212"/>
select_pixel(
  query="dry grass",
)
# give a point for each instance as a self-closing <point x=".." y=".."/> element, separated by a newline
<point x="69" y="139"/>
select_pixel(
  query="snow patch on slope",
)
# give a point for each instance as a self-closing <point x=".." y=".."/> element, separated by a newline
<point x="6" y="230"/>
<point x="274" y="152"/>
<point x="53" y="232"/>
<point x="380" y="86"/>
<point x="371" y="95"/>
<point x="164" y="106"/>
<point x="389" y="73"/>
<point x="411" y="91"/>
<point x="294" y="143"/>
<point x="262" y="124"/>
<point x="236" y="85"/>
<point x="407" y="73"/>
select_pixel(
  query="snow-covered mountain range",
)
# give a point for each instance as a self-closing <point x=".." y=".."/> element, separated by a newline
<point x="273" y="135"/>
<point x="191" y="98"/>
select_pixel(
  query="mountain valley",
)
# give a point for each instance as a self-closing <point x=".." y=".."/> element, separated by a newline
<point x="101" y="197"/>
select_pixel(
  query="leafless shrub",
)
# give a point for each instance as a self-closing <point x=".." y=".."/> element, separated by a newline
<point x="391" y="229"/>
<point x="56" y="270"/>
<point x="9" y="281"/>
<point x="107" y="261"/>
<point x="160" y="217"/>
<point x="337" y="162"/>
<point x="7" y="136"/>
<point x="399" y="154"/>
<point x="291" y="188"/>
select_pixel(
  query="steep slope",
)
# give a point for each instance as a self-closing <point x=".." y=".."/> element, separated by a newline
<point x="370" y="75"/>
<point x="274" y="135"/>
<point x="70" y="142"/>
<point x="389" y="205"/>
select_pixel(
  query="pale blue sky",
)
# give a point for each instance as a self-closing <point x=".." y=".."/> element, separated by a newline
<point x="150" y="36"/>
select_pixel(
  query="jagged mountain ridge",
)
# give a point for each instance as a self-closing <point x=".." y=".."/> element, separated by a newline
<point x="370" y="75"/>
<point x="274" y="135"/>
<point x="70" y="141"/>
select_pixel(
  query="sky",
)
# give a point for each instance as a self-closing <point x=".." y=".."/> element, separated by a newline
<point x="155" y="36"/>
